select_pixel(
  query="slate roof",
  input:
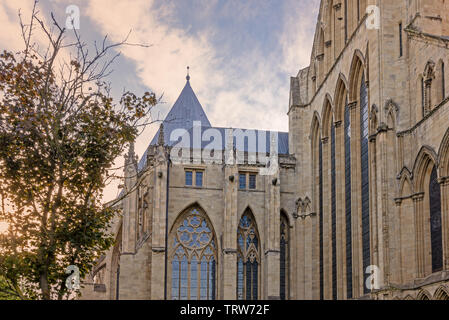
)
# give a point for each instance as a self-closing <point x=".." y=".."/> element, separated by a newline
<point x="188" y="109"/>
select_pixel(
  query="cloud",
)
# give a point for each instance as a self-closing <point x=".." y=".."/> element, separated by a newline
<point x="241" y="85"/>
<point x="10" y="37"/>
<point x="297" y="37"/>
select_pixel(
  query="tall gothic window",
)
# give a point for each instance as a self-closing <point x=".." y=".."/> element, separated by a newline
<point x="348" y="200"/>
<point x="320" y="160"/>
<point x="365" y="177"/>
<point x="435" y="222"/>
<point x="284" y="258"/>
<point x="248" y="258"/>
<point x="193" y="262"/>
<point x="333" y="214"/>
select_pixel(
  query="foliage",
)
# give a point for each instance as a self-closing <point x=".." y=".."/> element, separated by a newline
<point x="60" y="132"/>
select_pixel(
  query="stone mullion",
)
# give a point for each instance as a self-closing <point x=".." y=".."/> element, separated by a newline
<point x="198" y="278"/>
<point x="445" y="220"/>
<point x="419" y="227"/>
<point x="189" y="279"/>
<point x="377" y="154"/>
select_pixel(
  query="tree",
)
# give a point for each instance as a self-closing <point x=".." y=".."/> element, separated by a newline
<point x="60" y="132"/>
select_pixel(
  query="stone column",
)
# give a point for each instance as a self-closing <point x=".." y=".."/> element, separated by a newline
<point x="230" y="224"/>
<point x="272" y="244"/>
<point x="308" y="255"/>
<point x="379" y="204"/>
<point x="159" y="226"/>
<point x="419" y="230"/>
<point x="130" y="202"/>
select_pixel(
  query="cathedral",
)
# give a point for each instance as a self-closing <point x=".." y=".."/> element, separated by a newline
<point x="354" y="205"/>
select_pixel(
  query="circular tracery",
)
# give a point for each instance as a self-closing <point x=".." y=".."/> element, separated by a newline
<point x="193" y="259"/>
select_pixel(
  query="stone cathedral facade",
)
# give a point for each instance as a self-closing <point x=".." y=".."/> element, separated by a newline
<point x="358" y="206"/>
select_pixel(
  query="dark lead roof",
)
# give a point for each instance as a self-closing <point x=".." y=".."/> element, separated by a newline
<point x="185" y="110"/>
<point x="188" y="109"/>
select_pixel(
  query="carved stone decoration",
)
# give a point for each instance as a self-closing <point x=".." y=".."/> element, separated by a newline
<point x="302" y="208"/>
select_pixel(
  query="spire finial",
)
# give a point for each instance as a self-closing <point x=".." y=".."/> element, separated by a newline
<point x="188" y="75"/>
<point x="160" y="140"/>
<point x="131" y="149"/>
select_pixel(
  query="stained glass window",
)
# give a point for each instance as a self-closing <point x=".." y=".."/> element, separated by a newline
<point x="248" y="258"/>
<point x="365" y="177"/>
<point x="284" y="258"/>
<point x="435" y="222"/>
<point x="193" y="265"/>
<point x="333" y="214"/>
<point x="348" y="201"/>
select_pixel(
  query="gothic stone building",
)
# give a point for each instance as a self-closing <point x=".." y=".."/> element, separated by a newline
<point x="358" y="207"/>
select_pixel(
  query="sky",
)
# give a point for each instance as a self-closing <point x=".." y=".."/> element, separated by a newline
<point x="241" y="53"/>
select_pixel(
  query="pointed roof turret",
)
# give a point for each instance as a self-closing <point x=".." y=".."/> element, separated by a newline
<point x="184" y="112"/>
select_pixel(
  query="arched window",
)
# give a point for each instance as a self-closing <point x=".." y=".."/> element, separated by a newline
<point x="284" y="258"/>
<point x="441" y="294"/>
<point x="364" y="132"/>
<point x="248" y="258"/>
<point x="435" y="222"/>
<point x="334" y="213"/>
<point x="193" y="259"/>
<point x="348" y="200"/>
